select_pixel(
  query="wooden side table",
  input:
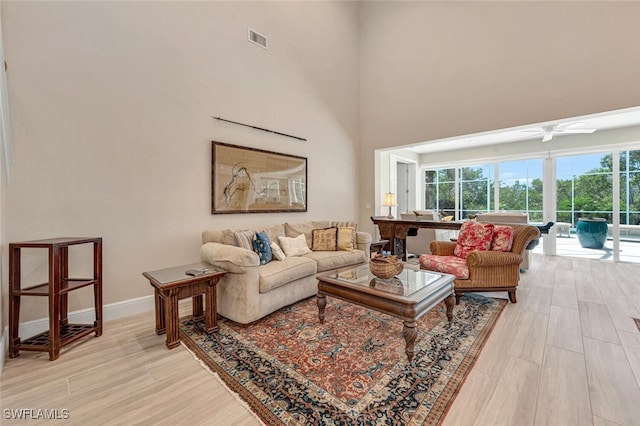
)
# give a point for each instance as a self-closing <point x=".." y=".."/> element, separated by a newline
<point x="172" y="284"/>
<point x="57" y="290"/>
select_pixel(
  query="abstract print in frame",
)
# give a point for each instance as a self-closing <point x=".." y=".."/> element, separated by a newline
<point x="251" y="180"/>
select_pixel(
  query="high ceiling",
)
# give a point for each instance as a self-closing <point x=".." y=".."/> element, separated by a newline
<point x="583" y="124"/>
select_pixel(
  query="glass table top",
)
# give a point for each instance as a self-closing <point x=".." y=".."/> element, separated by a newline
<point x="405" y="283"/>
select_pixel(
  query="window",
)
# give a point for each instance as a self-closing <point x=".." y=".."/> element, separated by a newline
<point x="520" y="187"/>
<point x="439" y="194"/>
<point x="476" y="190"/>
<point x="475" y="184"/>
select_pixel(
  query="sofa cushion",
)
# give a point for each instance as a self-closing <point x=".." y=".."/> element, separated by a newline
<point x="293" y="229"/>
<point x="262" y="246"/>
<point x="273" y="231"/>
<point x="294" y="246"/>
<point x="473" y="236"/>
<point x="324" y="239"/>
<point x="213" y="236"/>
<point x="276" y="274"/>
<point x="328" y="260"/>
<point x="446" y="264"/>
<point x="502" y="238"/>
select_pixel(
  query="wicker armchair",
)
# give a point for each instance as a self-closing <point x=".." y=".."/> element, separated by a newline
<point x="489" y="270"/>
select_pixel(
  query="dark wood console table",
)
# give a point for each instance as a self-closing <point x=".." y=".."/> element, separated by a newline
<point x="396" y="231"/>
<point x="57" y="290"/>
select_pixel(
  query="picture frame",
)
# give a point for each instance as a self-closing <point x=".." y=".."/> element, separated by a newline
<point x="251" y="180"/>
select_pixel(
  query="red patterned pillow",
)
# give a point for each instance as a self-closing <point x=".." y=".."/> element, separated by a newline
<point x="502" y="239"/>
<point x="473" y="236"/>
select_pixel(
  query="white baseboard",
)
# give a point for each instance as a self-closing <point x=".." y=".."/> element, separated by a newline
<point x="4" y="346"/>
<point x="87" y="316"/>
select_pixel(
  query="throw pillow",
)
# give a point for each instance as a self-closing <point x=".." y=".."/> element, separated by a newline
<point x="262" y="246"/>
<point x="350" y="223"/>
<point x="245" y="238"/>
<point x="346" y="236"/>
<point x="473" y="236"/>
<point x="324" y="239"/>
<point x="502" y="239"/>
<point x="277" y="252"/>
<point x="294" y="246"/>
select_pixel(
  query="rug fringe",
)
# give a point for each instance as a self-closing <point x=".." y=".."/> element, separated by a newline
<point x="219" y="379"/>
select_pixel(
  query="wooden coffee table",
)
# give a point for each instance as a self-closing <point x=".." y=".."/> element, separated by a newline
<point x="408" y="296"/>
<point x="172" y="284"/>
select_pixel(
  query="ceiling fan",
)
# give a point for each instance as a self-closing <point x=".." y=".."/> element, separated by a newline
<point x="550" y="132"/>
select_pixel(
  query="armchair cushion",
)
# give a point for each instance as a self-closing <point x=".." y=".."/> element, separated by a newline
<point x="502" y="239"/>
<point x="446" y="264"/>
<point x="473" y="236"/>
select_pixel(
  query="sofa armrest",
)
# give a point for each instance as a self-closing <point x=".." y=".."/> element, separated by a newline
<point x="233" y="259"/>
<point x="363" y="242"/>
<point x="442" y="248"/>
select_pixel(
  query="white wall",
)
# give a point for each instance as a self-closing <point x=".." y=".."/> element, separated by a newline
<point x="112" y="105"/>
<point x="431" y="70"/>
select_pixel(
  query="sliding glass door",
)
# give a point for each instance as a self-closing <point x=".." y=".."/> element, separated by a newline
<point x="630" y="206"/>
<point x="584" y="205"/>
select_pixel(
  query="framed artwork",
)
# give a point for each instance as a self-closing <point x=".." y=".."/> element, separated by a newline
<point x="250" y="180"/>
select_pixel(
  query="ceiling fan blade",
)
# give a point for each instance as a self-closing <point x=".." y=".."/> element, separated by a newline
<point x="575" y="130"/>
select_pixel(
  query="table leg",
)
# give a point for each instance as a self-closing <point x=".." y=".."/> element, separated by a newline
<point x="160" y="321"/>
<point x="171" y="316"/>
<point x="410" y="333"/>
<point x="211" y="314"/>
<point x="400" y="248"/>
<point x="450" y="302"/>
<point x="198" y="308"/>
<point x="14" y="322"/>
<point x="54" y="303"/>
<point x="14" y="302"/>
<point x="322" y="303"/>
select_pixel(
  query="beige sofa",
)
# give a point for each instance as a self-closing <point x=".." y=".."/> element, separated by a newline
<point x="506" y="218"/>
<point x="249" y="290"/>
<point x="419" y="244"/>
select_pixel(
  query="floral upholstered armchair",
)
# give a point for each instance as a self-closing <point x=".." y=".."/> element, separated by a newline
<point x="486" y="257"/>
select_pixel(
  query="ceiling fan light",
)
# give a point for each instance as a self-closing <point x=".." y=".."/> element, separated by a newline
<point x="547" y="136"/>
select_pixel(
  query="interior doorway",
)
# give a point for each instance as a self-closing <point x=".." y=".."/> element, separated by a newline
<point x="405" y="184"/>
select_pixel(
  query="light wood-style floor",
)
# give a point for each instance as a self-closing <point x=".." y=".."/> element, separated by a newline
<point x="568" y="353"/>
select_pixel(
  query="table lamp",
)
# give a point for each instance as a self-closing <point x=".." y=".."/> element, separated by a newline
<point x="389" y="201"/>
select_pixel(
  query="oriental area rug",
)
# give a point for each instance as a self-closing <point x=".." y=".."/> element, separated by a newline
<point x="351" y="370"/>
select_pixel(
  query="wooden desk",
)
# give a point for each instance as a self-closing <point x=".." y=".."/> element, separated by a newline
<point x="396" y="231"/>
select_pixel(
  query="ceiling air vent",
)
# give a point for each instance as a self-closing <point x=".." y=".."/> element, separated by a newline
<point x="257" y="39"/>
